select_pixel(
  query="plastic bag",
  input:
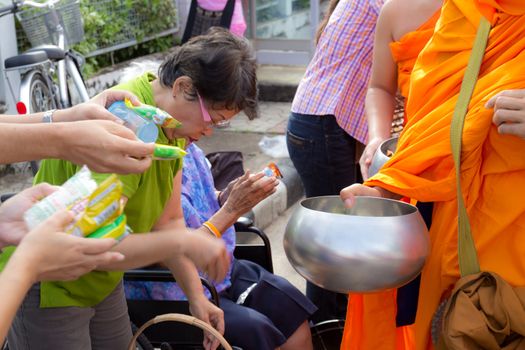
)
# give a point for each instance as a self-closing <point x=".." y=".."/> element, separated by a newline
<point x="274" y="146"/>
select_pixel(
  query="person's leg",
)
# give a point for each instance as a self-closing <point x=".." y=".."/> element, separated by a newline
<point x="110" y="327"/>
<point x="286" y="308"/>
<point x="305" y="141"/>
<point x="341" y="154"/>
<point x="323" y="154"/>
<point x="325" y="158"/>
<point x="300" y="339"/>
<point x="247" y="328"/>
<point x="49" y="328"/>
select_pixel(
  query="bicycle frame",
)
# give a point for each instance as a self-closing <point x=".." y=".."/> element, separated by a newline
<point x="67" y="64"/>
<point x="64" y="67"/>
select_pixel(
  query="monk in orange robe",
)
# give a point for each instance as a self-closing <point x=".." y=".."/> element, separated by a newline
<point x="492" y="169"/>
<point x="404" y="53"/>
<point x="403" y="29"/>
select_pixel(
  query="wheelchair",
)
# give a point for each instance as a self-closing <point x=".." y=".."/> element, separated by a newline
<point x="181" y="336"/>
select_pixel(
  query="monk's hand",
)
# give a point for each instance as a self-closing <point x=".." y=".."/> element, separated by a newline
<point x="349" y="193"/>
<point x="509" y="112"/>
<point x="366" y="158"/>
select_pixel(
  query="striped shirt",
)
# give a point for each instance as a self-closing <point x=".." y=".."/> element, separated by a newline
<point x="336" y="79"/>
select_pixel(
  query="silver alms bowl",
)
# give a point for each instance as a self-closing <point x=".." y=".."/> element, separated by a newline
<point x="376" y="245"/>
<point x="380" y="157"/>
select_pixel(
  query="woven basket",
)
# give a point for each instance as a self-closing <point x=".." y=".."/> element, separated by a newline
<point x="183" y="319"/>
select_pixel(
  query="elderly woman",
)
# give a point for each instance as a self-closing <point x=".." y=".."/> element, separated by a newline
<point x="208" y="79"/>
<point x="274" y="314"/>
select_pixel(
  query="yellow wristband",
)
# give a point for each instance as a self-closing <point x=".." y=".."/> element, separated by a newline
<point x="211" y="227"/>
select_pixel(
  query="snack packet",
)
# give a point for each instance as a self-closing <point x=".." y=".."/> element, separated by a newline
<point x="101" y="208"/>
<point x="69" y="195"/>
<point x="157" y="115"/>
<point x="98" y="209"/>
<point x="166" y="152"/>
<point x="272" y="170"/>
<point x="117" y="229"/>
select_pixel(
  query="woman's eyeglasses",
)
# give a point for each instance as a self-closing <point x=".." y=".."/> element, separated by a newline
<point x="207" y="117"/>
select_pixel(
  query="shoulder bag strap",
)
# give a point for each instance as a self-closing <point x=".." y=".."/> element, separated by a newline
<point x="467" y="255"/>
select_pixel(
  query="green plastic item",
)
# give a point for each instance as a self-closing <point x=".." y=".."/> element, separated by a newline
<point x="166" y="152"/>
<point x="155" y="114"/>
<point x="116" y="230"/>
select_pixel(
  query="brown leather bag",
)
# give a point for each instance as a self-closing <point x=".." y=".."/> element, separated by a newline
<point x="484" y="311"/>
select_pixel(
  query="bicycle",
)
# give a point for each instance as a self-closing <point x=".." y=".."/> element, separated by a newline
<point x="49" y="69"/>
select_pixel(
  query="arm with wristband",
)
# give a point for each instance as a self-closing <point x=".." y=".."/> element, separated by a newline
<point x="243" y="194"/>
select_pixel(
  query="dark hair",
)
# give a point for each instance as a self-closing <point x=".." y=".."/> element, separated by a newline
<point x="221" y="66"/>
<point x="324" y="22"/>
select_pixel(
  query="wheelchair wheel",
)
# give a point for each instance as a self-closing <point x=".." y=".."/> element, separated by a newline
<point x="142" y="341"/>
<point x="328" y="335"/>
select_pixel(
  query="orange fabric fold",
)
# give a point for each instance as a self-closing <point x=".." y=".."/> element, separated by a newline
<point x="493" y="165"/>
<point x="405" y="51"/>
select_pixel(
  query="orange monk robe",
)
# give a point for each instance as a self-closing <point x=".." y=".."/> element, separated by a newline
<point x="404" y="52"/>
<point x="407" y="48"/>
<point x="493" y="165"/>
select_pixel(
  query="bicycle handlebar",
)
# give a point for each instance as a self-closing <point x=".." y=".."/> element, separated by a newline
<point x="39" y="5"/>
<point x="15" y="5"/>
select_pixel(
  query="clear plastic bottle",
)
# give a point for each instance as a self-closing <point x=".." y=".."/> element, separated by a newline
<point x="146" y="130"/>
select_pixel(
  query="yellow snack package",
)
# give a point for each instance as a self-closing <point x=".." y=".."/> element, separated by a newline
<point x="116" y="229"/>
<point x="102" y="207"/>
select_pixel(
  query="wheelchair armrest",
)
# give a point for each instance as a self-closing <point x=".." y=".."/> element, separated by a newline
<point x="150" y="275"/>
<point x="243" y="223"/>
<point x="6" y="196"/>
<point x="164" y="275"/>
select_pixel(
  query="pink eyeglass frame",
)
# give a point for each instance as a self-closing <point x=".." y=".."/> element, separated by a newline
<point x="205" y="114"/>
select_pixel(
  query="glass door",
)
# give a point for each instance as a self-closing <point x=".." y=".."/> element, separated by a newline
<point x="283" y="30"/>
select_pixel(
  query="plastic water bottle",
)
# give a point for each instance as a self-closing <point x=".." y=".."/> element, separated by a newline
<point x="146" y="130"/>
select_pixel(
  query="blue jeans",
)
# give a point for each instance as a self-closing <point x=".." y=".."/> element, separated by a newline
<point x="325" y="158"/>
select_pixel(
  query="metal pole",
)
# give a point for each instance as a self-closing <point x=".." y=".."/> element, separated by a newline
<point x="315" y="13"/>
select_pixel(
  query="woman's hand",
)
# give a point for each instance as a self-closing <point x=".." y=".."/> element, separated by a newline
<point x="208" y="312"/>
<point x="47" y="253"/>
<point x="247" y="191"/>
<point x="368" y="154"/>
<point x="104" y="147"/>
<point x="12" y="225"/>
<point x="509" y="112"/>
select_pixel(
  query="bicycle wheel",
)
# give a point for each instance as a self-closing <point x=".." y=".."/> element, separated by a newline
<point x="41" y="98"/>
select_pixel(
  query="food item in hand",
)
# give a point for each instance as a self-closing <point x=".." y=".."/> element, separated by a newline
<point x="155" y="114"/>
<point x="69" y="196"/>
<point x="272" y="170"/>
<point x="102" y="207"/>
<point x="166" y="152"/>
<point x="98" y="210"/>
<point x="117" y="229"/>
